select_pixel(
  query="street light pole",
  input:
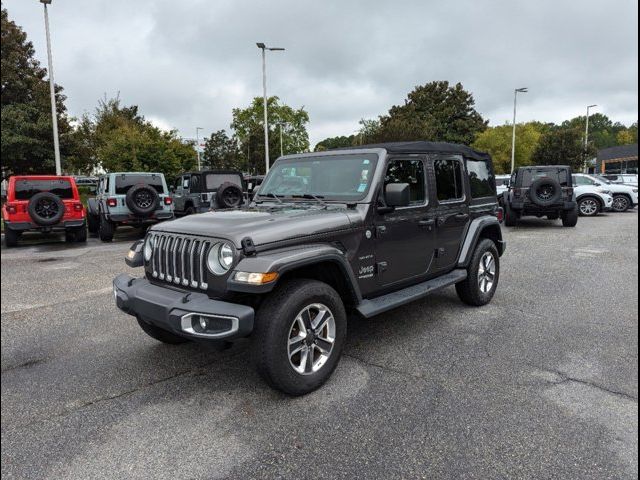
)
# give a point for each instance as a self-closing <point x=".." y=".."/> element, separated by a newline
<point x="198" y="145"/>
<point x="586" y="136"/>
<point x="264" y="49"/>
<point x="513" y="135"/>
<point x="52" y="88"/>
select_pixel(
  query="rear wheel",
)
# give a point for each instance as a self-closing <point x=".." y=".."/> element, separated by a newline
<point x="81" y="234"/>
<point x="190" y="210"/>
<point x="510" y="217"/>
<point x="298" y="337"/>
<point x="621" y="203"/>
<point x="106" y="230"/>
<point x="570" y="218"/>
<point x="483" y="274"/>
<point x="11" y="238"/>
<point x="589" y="207"/>
<point x="159" y="334"/>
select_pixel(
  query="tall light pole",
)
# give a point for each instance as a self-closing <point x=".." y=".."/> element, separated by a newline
<point x="198" y="145"/>
<point x="513" y="135"/>
<point x="52" y="88"/>
<point x="264" y="49"/>
<point x="586" y="136"/>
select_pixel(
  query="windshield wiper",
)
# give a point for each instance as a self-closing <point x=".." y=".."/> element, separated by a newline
<point x="311" y="196"/>
<point x="270" y="195"/>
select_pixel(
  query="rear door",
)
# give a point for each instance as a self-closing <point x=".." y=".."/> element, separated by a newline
<point x="405" y="238"/>
<point x="452" y="208"/>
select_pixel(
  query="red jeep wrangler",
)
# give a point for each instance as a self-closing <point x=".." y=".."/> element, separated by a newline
<point x="44" y="203"/>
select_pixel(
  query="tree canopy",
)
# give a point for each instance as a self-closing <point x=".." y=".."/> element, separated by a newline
<point x="221" y="151"/>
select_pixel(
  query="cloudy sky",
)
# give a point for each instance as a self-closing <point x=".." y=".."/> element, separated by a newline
<point x="187" y="63"/>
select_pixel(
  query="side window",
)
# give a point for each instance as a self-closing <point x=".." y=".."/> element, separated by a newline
<point x="448" y="179"/>
<point x="411" y="172"/>
<point x="481" y="179"/>
<point x="195" y="183"/>
<point x="106" y="185"/>
<point x="185" y="182"/>
<point x="579" y="180"/>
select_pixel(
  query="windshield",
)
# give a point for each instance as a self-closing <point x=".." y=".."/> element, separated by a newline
<point x="345" y="178"/>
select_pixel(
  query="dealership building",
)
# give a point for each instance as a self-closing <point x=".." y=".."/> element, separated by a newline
<point x="621" y="159"/>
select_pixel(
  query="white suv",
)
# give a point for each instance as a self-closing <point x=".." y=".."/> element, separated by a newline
<point x="624" y="197"/>
<point x="592" y="200"/>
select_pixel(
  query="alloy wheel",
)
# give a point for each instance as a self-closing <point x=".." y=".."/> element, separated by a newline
<point x="47" y="208"/>
<point x="486" y="272"/>
<point x="620" y="204"/>
<point x="311" y="339"/>
<point x="588" y="207"/>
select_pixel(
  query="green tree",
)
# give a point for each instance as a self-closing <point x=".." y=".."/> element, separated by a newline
<point x="435" y="111"/>
<point x="603" y="132"/>
<point x="247" y="125"/>
<point x="562" y="146"/>
<point x="497" y="142"/>
<point x="27" y="134"/>
<point x="221" y="151"/>
<point x="336" y="142"/>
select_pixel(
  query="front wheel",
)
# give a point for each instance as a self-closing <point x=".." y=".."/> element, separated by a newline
<point x="589" y="207"/>
<point x="298" y="336"/>
<point x="483" y="274"/>
<point x="106" y="230"/>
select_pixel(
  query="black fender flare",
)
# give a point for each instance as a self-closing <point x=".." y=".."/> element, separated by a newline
<point x="483" y="227"/>
<point x="287" y="259"/>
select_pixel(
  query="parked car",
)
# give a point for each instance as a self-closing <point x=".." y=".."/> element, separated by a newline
<point x="45" y="204"/>
<point x="502" y="184"/>
<point x="624" y="196"/>
<point x="592" y="200"/>
<point x="198" y="192"/>
<point x="370" y="229"/>
<point x="541" y="191"/>
<point x="630" y="179"/>
<point x="137" y="199"/>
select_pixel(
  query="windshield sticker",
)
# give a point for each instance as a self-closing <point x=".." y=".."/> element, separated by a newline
<point x="362" y="187"/>
<point x="365" y="162"/>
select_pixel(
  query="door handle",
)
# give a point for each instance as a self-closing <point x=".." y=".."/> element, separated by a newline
<point x="461" y="217"/>
<point x="427" y="223"/>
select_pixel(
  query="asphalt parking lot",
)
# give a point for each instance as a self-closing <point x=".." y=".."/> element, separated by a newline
<point x="542" y="383"/>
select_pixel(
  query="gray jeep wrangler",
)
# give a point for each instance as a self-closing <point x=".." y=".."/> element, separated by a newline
<point x="360" y="230"/>
<point x="198" y="192"/>
<point x="128" y="198"/>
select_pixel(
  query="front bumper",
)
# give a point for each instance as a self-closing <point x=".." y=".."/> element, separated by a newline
<point x="607" y="201"/>
<point x="58" y="227"/>
<point x="180" y="312"/>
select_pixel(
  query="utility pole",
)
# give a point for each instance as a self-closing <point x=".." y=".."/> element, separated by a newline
<point x="52" y="88"/>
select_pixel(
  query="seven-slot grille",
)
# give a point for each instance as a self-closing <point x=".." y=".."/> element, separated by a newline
<point x="180" y="259"/>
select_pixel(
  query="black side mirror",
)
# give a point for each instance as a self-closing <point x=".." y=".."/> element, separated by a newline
<point x="397" y="195"/>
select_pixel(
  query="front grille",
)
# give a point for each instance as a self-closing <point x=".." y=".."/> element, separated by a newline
<point x="180" y="259"/>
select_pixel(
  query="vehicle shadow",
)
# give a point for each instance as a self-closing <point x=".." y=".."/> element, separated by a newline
<point x="56" y="241"/>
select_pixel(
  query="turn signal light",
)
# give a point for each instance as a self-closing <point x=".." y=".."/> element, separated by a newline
<point x="12" y="208"/>
<point x="255" y="278"/>
<point x="168" y="200"/>
<point x="112" y="202"/>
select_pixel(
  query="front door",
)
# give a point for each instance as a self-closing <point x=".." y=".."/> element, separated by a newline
<point x="405" y="238"/>
<point x="452" y="209"/>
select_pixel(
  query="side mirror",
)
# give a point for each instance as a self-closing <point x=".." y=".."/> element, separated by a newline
<point x="397" y="195"/>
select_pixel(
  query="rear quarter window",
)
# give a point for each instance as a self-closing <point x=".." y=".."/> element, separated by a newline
<point x="125" y="182"/>
<point x="481" y="178"/>
<point x="25" y="189"/>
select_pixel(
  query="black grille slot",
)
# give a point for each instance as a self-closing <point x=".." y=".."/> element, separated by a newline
<point x="180" y="259"/>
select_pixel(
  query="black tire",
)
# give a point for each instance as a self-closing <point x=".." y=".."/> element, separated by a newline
<point x="142" y="200"/>
<point x="69" y="235"/>
<point x="570" y="218"/>
<point x="621" y="203"/>
<point x="106" y="230"/>
<point x="93" y="223"/>
<point x="470" y="290"/>
<point x="159" y="334"/>
<point x="510" y="216"/>
<point x="190" y="210"/>
<point x="545" y="192"/>
<point x="229" y="195"/>
<point x="11" y="238"/>
<point x="46" y="209"/>
<point x="275" y="322"/>
<point x="589" y="206"/>
<point x="81" y="234"/>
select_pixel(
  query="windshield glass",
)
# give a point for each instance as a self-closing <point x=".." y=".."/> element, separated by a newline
<point x="343" y="178"/>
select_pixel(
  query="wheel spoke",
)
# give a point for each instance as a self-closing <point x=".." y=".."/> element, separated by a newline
<point x="308" y="366"/>
<point x="318" y="319"/>
<point x="324" y="344"/>
<point x="320" y="328"/>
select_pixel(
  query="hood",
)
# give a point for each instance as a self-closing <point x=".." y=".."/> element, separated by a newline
<point x="263" y="224"/>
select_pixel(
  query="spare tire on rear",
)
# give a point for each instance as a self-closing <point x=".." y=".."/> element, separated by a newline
<point x="229" y="195"/>
<point x="46" y="209"/>
<point x="545" y="192"/>
<point x="142" y="200"/>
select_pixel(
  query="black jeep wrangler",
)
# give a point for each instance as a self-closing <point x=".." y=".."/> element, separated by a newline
<point x="361" y="230"/>
<point x="541" y="191"/>
<point x="198" y="192"/>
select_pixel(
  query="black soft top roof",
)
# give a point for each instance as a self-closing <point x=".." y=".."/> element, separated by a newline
<point x="426" y="147"/>
<point x="221" y="171"/>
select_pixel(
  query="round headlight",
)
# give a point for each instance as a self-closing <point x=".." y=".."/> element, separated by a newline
<point x="220" y="258"/>
<point x="226" y="256"/>
<point x="148" y="247"/>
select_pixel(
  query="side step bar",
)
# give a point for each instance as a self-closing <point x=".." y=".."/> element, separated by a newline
<point x="371" y="307"/>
